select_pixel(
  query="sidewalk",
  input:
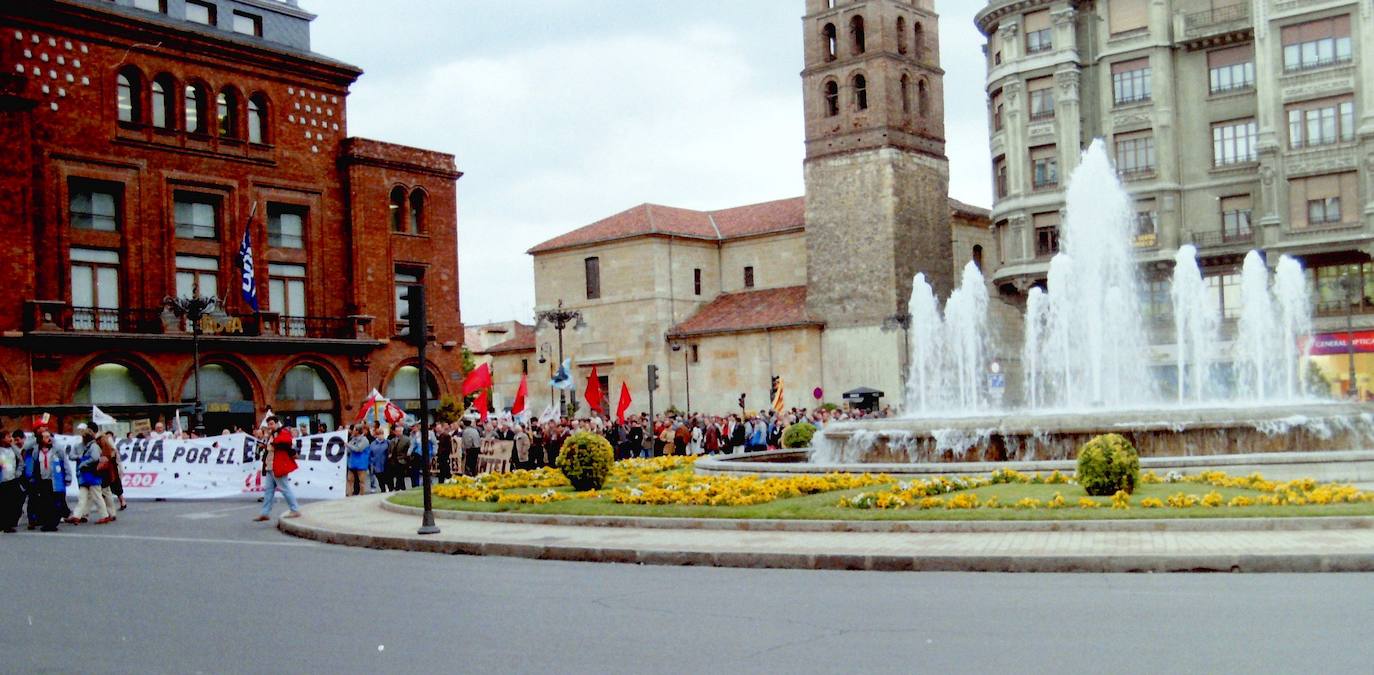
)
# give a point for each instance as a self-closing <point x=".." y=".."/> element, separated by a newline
<point x="361" y="521"/>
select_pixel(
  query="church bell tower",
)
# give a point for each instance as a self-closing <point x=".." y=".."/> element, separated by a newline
<point x="877" y="179"/>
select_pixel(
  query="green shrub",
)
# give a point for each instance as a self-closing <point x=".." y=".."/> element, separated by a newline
<point x="1106" y="464"/>
<point x="586" y="460"/>
<point x="798" y="435"/>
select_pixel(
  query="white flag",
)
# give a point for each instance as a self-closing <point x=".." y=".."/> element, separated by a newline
<point x="99" y="417"/>
<point x="265" y="415"/>
<point x="550" y="414"/>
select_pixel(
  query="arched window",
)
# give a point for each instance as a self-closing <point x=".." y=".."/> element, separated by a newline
<point x="832" y="99"/>
<point x="113" y="384"/>
<point x="163" y="102"/>
<point x="405" y="384"/>
<point x="417" y="211"/>
<point x="856" y="35"/>
<point x="257" y="118"/>
<point x="307" y="391"/>
<point x="831" y="41"/>
<point x="978" y="256"/>
<point x="922" y="98"/>
<point x="860" y="84"/>
<point x="195" y="109"/>
<point x="901" y="35"/>
<point x="218" y="384"/>
<point x="398" y="209"/>
<point x="128" y="96"/>
<point x="919" y="44"/>
<point x="227" y="113"/>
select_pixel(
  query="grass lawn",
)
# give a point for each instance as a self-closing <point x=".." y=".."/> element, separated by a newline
<point x="822" y="506"/>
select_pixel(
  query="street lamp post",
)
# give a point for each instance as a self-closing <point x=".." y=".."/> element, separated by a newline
<point x="1351" y="285"/>
<point x="193" y="309"/>
<point x="686" y="373"/>
<point x="560" y="318"/>
<point x="901" y="322"/>
<point x="544" y="354"/>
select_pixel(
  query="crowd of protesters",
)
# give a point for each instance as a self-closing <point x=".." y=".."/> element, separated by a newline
<point x="34" y="479"/>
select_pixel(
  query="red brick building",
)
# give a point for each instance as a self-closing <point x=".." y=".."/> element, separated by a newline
<point x="141" y="138"/>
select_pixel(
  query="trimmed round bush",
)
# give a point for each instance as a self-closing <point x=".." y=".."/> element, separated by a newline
<point x="1106" y="464"/>
<point x="798" y="435"/>
<point x="586" y="459"/>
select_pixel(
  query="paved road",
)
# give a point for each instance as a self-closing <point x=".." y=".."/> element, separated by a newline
<point x="196" y="587"/>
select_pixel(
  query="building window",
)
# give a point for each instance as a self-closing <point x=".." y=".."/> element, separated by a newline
<point x="95" y="289"/>
<point x="1041" y="98"/>
<point x="257" y="115"/>
<point x="696" y="354"/>
<point x="164" y="102"/>
<point x="1155" y="303"/>
<point x="197" y="276"/>
<point x="994" y="48"/>
<point x="1146" y="224"/>
<point x="1322" y="200"/>
<point x="828" y="35"/>
<point x="1038" y="32"/>
<point x="226" y="114"/>
<point x="906" y="94"/>
<point x="1231" y="69"/>
<point x="405" y="278"/>
<point x="696" y="281"/>
<point x="113" y="384"/>
<point x="1224" y="290"/>
<point x="247" y="24"/>
<point x="196" y="216"/>
<point x="1321" y="122"/>
<point x="524" y="366"/>
<point x="832" y="99"/>
<point x="127" y="86"/>
<point x="286" y="225"/>
<point x="93" y="206"/>
<point x="1046" y="234"/>
<point x="1002" y="231"/>
<point x="286" y="288"/>
<point x="860" y="84"/>
<point x="901" y="35"/>
<point x="1329" y="296"/>
<point x="999" y="172"/>
<point x="977" y="256"/>
<point x="159" y="6"/>
<point x="591" y="268"/>
<point x="922" y="98"/>
<point x="195" y="109"/>
<point x="856" y="35"/>
<point x="1234" y="142"/>
<point x="1124" y="16"/>
<point x="1235" y="218"/>
<point x="1131" y="81"/>
<point x="749" y="276"/>
<point x="399" y="221"/>
<point x="1044" y="167"/>
<point x="1135" y="154"/>
<point x="417" y="211"/>
<point x="200" y="12"/>
<point x="919" y="42"/>
<point x="998" y="110"/>
<point x="1316" y="44"/>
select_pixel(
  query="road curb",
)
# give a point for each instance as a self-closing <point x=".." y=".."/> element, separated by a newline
<point x="1096" y="563"/>
<point x="1296" y="524"/>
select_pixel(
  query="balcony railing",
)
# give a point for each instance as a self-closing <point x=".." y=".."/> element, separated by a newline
<point x="1201" y="22"/>
<point x="56" y="316"/>
<point x="1219" y="238"/>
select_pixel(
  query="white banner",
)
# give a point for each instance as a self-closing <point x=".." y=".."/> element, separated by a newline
<point x="220" y="466"/>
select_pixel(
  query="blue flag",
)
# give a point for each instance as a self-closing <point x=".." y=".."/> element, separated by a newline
<point x="250" y="284"/>
<point x="563" y="378"/>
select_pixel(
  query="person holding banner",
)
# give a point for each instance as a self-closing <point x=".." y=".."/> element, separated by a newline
<point x="358" y="461"/>
<point x="88" y="466"/>
<point x="278" y="461"/>
<point x="45" y="471"/>
<point x="11" y="484"/>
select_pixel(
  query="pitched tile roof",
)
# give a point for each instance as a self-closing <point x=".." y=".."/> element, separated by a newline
<point x="781" y="215"/>
<point x="523" y="341"/>
<point x="749" y="311"/>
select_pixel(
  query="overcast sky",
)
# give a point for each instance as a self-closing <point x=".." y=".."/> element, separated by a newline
<point x="563" y="112"/>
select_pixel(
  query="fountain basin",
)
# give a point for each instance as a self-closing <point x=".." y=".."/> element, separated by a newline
<point x="1155" y="432"/>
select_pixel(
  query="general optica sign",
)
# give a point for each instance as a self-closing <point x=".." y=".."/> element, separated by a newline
<point x="1331" y="344"/>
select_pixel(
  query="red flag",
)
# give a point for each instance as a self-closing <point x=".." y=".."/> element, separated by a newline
<point x="479" y="378"/>
<point x="624" y="403"/>
<point x="481" y="403"/>
<point x="519" y="405"/>
<point x="594" y="395"/>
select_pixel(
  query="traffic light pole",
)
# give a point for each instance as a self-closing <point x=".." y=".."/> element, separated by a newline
<point x="418" y="332"/>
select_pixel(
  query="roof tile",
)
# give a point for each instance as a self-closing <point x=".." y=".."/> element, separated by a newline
<point x="749" y="311"/>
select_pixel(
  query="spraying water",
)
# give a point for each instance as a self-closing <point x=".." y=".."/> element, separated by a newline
<point x="1195" y="326"/>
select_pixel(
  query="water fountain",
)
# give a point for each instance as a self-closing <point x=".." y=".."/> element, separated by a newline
<point x="1087" y="366"/>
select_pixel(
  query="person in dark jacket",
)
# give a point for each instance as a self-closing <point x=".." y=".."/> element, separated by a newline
<point x="377" y="474"/>
<point x="45" y="470"/>
<point x="444" y="457"/>
<point x="11" y="484"/>
<point x="398" y="457"/>
<point x="359" y="459"/>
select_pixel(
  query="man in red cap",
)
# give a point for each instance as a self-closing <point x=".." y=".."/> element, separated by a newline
<point x="278" y="461"/>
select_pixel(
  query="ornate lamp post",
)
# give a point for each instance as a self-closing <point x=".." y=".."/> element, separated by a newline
<point x="1353" y="294"/>
<point x="686" y="373"/>
<point x="560" y="318"/>
<point x="901" y="322"/>
<point x="194" y="309"/>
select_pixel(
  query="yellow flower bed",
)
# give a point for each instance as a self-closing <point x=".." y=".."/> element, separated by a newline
<point x="696" y="490"/>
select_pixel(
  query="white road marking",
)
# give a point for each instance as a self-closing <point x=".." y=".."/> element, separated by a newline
<point x="185" y="540"/>
<point x="217" y="513"/>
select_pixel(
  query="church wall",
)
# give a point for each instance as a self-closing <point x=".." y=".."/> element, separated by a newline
<point x="778" y="261"/>
<point x="864" y="356"/>
<point x="745" y="363"/>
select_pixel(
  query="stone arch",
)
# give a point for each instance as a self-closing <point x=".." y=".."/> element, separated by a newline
<point x="901" y="35"/>
<point x="830" y="42"/>
<point x="857" y="44"/>
<point x="830" y="93"/>
<point x="129" y="106"/>
<point x="399" y="208"/>
<point x="157" y="387"/>
<point x="858" y="84"/>
<point x="236" y="367"/>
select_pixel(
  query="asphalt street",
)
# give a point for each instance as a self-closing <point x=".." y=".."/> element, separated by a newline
<point x="197" y="587"/>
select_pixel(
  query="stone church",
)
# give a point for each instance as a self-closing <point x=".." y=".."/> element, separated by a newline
<point x="812" y="289"/>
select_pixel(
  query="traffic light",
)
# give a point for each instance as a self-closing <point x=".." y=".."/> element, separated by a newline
<point x="417" y="327"/>
<point x="653" y="377"/>
<point x="741" y="401"/>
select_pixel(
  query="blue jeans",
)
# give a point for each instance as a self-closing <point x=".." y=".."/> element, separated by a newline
<point x="270" y="484"/>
